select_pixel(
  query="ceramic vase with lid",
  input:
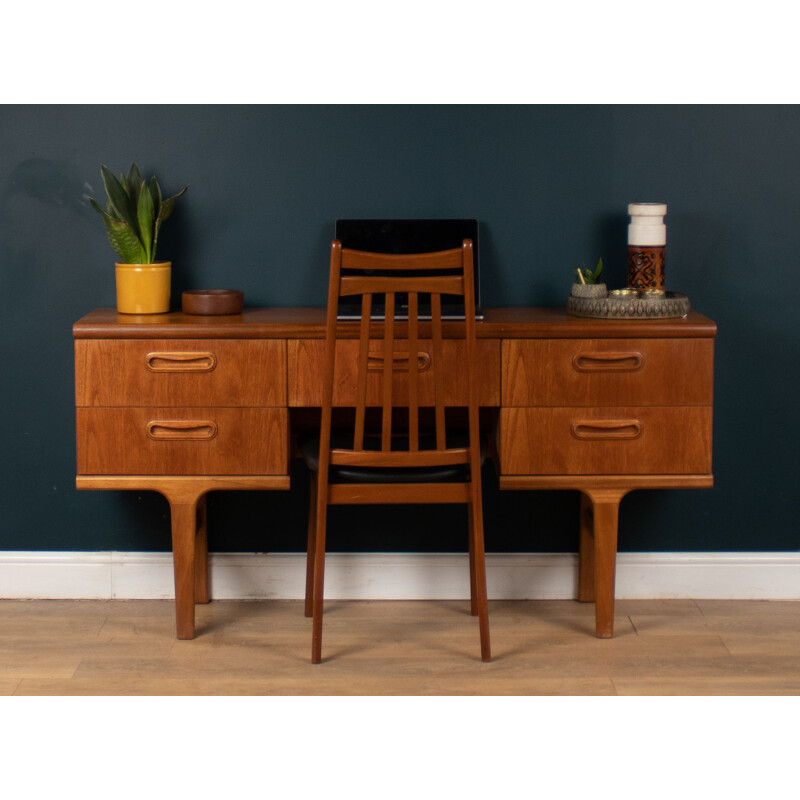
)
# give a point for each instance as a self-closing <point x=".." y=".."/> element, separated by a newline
<point x="647" y="240"/>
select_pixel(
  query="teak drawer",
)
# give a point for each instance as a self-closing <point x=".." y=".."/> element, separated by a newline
<point x="180" y="372"/>
<point x="307" y="368"/>
<point x="182" y="441"/>
<point x="605" y="441"/>
<point x="610" y="372"/>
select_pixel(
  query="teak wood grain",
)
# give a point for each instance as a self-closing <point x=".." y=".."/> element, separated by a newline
<point x="185" y="441"/>
<point x="183" y="405"/>
<point x="309" y="323"/>
<point x="420" y="376"/>
<point x="307" y="361"/>
<point x="163" y="372"/>
<point x="607" y="372"/>
<point x="604" y="441"/>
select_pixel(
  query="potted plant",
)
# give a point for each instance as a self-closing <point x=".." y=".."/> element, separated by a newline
<point x="134" y="213"/>
<point x="589" y="284"/>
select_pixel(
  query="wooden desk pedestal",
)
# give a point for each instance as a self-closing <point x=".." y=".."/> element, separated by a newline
<point x="184" y="405"/>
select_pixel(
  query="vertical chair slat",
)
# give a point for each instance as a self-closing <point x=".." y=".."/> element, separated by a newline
<point x="388" y="365"/>
<point x="413" y="373"/>
<point x="438" y="386"/>
<point x="363" y="359"/>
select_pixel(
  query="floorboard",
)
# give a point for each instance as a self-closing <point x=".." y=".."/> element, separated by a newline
<point x="661" y="647"/>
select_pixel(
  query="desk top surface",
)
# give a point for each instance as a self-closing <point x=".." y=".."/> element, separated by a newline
<point x="309" y="323"/>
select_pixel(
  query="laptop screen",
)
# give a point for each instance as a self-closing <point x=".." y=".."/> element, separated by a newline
<point x="404" y="236"/>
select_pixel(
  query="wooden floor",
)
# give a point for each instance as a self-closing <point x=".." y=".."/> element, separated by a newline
<point x="662" y="647"/>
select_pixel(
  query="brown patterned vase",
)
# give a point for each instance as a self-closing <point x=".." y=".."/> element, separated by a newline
<point x="646" y="267"/>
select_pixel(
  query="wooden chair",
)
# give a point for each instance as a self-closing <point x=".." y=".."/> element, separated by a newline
<point x="404" y="462"/>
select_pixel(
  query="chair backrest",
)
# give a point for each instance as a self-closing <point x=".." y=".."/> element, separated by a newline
<point x="355" y="272"/>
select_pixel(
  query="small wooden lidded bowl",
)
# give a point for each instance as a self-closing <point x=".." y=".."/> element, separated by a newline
<point x="212" y="302"/>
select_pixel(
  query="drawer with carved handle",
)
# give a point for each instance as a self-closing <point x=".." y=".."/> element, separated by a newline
<point x="182" y="441"/>
<point x="306" y="359"/>
<point x="612" y="372"/>
<point x="605" y="441"/>
<point x="176" y="372"/>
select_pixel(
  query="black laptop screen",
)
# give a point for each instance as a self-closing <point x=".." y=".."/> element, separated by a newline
<point x="404" y="236"/>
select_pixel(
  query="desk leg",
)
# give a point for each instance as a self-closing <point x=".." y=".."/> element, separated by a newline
<point x="605" y="519"/>
<point x="184" y="513"/>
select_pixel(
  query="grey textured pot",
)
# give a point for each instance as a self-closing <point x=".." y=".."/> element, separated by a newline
<point x="589" y="290"/>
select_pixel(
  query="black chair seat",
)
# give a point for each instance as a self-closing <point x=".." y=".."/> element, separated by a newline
<point x="456" y="473"/>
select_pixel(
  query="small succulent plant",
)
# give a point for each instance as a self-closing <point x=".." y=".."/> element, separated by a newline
<point x="134" y="214"/>
<point x="588" y="275"/>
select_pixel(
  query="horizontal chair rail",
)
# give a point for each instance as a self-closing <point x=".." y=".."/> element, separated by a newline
<point x="378" y="493"/>
<point x="358" y="284"/>
<point x="400" y="458"/>
<point x="444" y="259"/>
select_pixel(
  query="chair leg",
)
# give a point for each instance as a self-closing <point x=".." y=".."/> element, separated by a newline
<point x="319" y="571"/>
<point x="473" y="600"/>
<point x="476" y="533"/>
<point x="311" y="547"/>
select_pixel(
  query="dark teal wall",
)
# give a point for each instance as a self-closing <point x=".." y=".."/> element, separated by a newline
<point x="551" y="187"/>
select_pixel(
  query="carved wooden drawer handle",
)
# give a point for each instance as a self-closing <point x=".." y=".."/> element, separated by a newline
<point x="400" y="362"/>
<point x="608" y="362"/>
<point x="607" y="429"/>
<point x="180" y="362"/>
<point x="197" y="430"/>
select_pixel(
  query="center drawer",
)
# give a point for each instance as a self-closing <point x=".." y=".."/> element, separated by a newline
<point x="610" y="372"/>
<point x="180" y="372"/>
<point x="182" y="441"/>
<point x="306" y="359"/>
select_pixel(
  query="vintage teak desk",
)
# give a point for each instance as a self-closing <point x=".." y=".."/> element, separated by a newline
<point x="184" y="405"/>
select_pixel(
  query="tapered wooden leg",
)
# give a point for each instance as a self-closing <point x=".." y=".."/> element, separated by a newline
<point x="184" y="550"/>
<point x="311" y="546"/>
<point x="586" y="557"/>
<point x="605" y="508"/>
<point x="479" y="558"/>
<point x="319" y="571"/>
<point x="202" y="592"/>
<point x="473" y="600"/>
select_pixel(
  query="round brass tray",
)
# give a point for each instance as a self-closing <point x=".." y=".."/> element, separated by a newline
<point x="625" y="305"/>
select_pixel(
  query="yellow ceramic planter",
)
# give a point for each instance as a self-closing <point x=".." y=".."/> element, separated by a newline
<point x="143" y="288"/>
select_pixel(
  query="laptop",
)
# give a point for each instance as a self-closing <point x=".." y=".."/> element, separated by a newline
<point x="404" y="236"/>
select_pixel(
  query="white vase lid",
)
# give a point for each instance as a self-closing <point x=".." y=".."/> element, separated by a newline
<point x="647" y="209"/>
<point x="647" y="228"/>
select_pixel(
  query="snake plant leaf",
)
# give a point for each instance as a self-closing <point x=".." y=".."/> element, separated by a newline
<point x="119" y="202"/>
<point x="134" y="213"/>
<point x="134" y="181"/>
<point x="168" y="204"/>
<point x="164" y="211"/>
<point x="155" y="192"/>
<point x="598" y="269"/>
<point x="96" y="206"/>
<point x="145" y="214"/>
<point x="122" y="238"/>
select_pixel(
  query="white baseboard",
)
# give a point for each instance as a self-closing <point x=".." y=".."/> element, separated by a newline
<point x="398" y="576"/>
